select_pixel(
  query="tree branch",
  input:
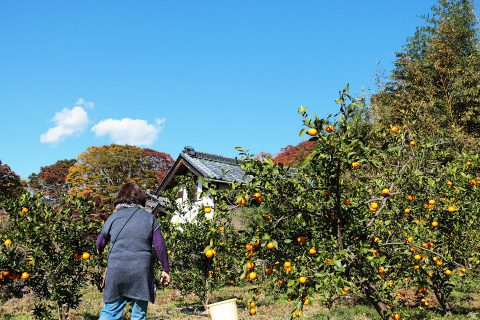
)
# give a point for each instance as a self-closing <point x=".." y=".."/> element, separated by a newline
<point x="421" y="248"/>
<point x="384" y="200"/>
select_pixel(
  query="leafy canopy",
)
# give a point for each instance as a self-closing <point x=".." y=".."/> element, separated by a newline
<point x="100" y="171"/>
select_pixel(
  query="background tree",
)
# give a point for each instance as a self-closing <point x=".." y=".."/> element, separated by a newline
<point x="10" y="183"/>
<point x="159" y="162"/>
<point x="100" y="171"/>
<point x="435" y="84"/>
<point x="50" y="181"/>
<point x="295" y="155"/>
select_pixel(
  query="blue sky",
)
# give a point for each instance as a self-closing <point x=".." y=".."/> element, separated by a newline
<point x="210" y="74"/>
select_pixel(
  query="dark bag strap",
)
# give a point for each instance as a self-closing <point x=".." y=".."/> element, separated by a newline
<point x="113" y="242"/>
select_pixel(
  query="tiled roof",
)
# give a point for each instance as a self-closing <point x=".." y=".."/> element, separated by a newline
<point x="213" y="166"/>
<point x="155" y="204"/>
<point x="206" y="165"/>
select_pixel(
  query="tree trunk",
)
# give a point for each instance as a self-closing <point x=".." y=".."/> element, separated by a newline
<point x="442" y="300"/>
<point x="60" y="311"/>
<point x="338" y="210"/>
<point x="340" y="233"/>
<point x="206" y="294"/>
<point x="379" y="305"/>
<point x="205" y="304"/>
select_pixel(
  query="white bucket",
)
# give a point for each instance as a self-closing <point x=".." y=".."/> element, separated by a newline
<point x="224" y="310"/>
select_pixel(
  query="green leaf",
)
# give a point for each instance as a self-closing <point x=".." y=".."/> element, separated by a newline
<point x="266" y="236"/>
<point x="338" y="263"/>
<point x="269" y="161"/>
<point x="302" y="110"/>
<point x="275" y="243"/>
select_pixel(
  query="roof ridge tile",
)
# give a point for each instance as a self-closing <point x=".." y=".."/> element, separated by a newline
<point x="210" y="156"/>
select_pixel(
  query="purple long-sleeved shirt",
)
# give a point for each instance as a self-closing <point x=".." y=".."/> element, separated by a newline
<point x="158" y="244"/>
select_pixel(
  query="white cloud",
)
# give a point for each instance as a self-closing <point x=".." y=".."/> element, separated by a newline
<point x="68" y="122"/>
<point x="85" y="104"/>
<point x="160" y="122"/>
<point x="129" y="131"/>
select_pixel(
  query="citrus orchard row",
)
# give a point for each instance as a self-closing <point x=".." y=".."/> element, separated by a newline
<point x="369" y="214"/>
<point x="47" y="251"/>
<point x="365" y="215"/>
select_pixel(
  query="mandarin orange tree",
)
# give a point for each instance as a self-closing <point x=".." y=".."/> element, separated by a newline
<point x="435" y="219"/>
<point x="421" y="219"/>
<point x="335" y="226"/>
<point x="315" y="231"/>
<point x="49" y="250"/>
<point x="15" y="269"/>
<point x="201" y="241"/>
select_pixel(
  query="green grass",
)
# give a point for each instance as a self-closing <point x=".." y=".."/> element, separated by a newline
<point x="171" y="305"/>
<point x="346" y="312"/>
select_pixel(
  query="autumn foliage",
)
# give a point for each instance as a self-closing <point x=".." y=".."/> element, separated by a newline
<point x="295" y="155"/>
<point x="100" y="171"/>
<point x="50" y="181"/>
<point x="10" y="183"/>
<point x="159" y="162"/>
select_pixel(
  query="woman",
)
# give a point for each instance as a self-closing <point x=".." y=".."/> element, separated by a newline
<point x="132" y="232"/>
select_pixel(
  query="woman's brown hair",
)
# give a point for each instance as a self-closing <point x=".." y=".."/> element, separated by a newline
<point x="130" y="193"/>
